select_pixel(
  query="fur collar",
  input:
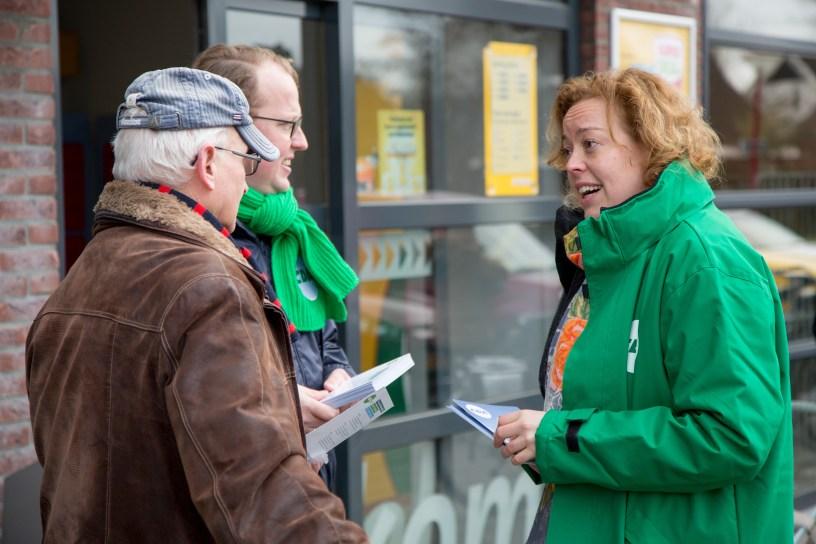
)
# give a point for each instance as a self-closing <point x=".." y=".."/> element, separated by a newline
<point x="148" y="205"/>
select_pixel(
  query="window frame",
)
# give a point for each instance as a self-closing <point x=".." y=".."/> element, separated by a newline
<point x="398" y="431"/>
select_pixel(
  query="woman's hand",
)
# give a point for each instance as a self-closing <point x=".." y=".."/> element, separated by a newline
<point x="515" y="435"/>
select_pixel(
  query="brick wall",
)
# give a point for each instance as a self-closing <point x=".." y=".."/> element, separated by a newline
<point x="29" y="232"/>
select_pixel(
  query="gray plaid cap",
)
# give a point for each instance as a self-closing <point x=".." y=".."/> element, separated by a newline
<point x="186" y="98"/>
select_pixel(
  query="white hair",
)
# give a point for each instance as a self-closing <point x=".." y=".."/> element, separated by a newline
<point x="160" y="156"/>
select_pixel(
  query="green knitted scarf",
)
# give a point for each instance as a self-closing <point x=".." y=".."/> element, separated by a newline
<point x="294" y="234"/>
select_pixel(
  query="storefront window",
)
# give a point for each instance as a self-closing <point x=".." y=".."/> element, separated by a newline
<point x="448" y="107"/>
<point x="472" y="306"/>
<point x="458" y="489"/>
<point x="763" y="106"/>
<point x="786" y="19"/>
<point x="784" y="237"/>
<point x="803" y="393"/>
<point x="301" y="40"/>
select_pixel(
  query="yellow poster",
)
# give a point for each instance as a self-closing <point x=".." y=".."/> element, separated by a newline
<point x="661" y="44"/>
<point x="510" y="119"/>
<point x="401" y="144"/>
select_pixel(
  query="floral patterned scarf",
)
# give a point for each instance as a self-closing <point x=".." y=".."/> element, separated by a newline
<point x="570" y="327"/>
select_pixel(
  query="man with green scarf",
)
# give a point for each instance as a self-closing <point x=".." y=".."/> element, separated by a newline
<point x="304" y="273"/>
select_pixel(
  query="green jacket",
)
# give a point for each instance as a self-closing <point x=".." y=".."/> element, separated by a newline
<point x="686" y="433"/>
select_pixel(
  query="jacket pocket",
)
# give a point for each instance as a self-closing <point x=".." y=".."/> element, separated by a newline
<point x="666" y="518"/>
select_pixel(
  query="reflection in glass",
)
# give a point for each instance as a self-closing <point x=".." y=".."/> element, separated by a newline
<point x="763" y="106"/>
<point x="455" y="490"/>
<point x="786" y="19"/>
<point x="301" y="40"/>
<point x="472" y="306"/>
<point x="803" y="393"/>
<point x="785" y="238"/>
<point x="791" y="257"/>
<point x="280" y="33"/>
<point x="393" y="73"/>
<point x="420" y="100"/>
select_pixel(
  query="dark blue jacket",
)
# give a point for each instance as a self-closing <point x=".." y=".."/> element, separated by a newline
<point x="316" y="353"/>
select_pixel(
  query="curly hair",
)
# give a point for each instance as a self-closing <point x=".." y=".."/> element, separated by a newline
<point x="238" y="63"/>
<point x="657" y="115"/>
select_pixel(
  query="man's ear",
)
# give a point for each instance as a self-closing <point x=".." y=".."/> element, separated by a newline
<point x="205" y="167"/>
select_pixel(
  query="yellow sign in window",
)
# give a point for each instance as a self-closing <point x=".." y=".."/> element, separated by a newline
<point x="401" y="142"/>
<point x="510" y="119"/>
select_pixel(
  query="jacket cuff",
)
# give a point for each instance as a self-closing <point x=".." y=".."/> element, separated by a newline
<point x="572" y="435"/>
<point x="534" y="476"/>
<point x="558" y="433"/>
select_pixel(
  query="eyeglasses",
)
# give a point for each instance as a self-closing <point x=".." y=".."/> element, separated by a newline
<point x="296" y="124"/>
<point x="251" y="160"/>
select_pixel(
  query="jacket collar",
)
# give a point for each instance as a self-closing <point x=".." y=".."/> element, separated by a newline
<point x="154" y="209"/>
<point x="623" y="232"/>
<point x="243" y="233"/>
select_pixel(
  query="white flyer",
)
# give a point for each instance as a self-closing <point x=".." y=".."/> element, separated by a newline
<point x="372" y="380"/>
<point x="357" y="417"/>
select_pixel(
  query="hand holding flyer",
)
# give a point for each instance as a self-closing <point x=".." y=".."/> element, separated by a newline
<point x="330" y="434"/>
<point x="370" y="386"/>
<point x="369" y="382"/>
<point x="484" y="417"/>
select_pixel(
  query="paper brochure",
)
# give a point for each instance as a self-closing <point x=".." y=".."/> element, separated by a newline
<point x="370" y="381"/>
<point x="333" y="432"/>
<point x="483" y="417"/>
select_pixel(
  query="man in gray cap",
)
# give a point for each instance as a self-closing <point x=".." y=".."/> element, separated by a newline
<point x="163" y="398"/>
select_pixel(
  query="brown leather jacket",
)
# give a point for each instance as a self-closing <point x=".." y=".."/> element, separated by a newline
<point x="163" y="397"/>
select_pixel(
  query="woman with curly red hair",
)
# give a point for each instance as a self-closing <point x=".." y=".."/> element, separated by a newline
<point x="667" y="414"/>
